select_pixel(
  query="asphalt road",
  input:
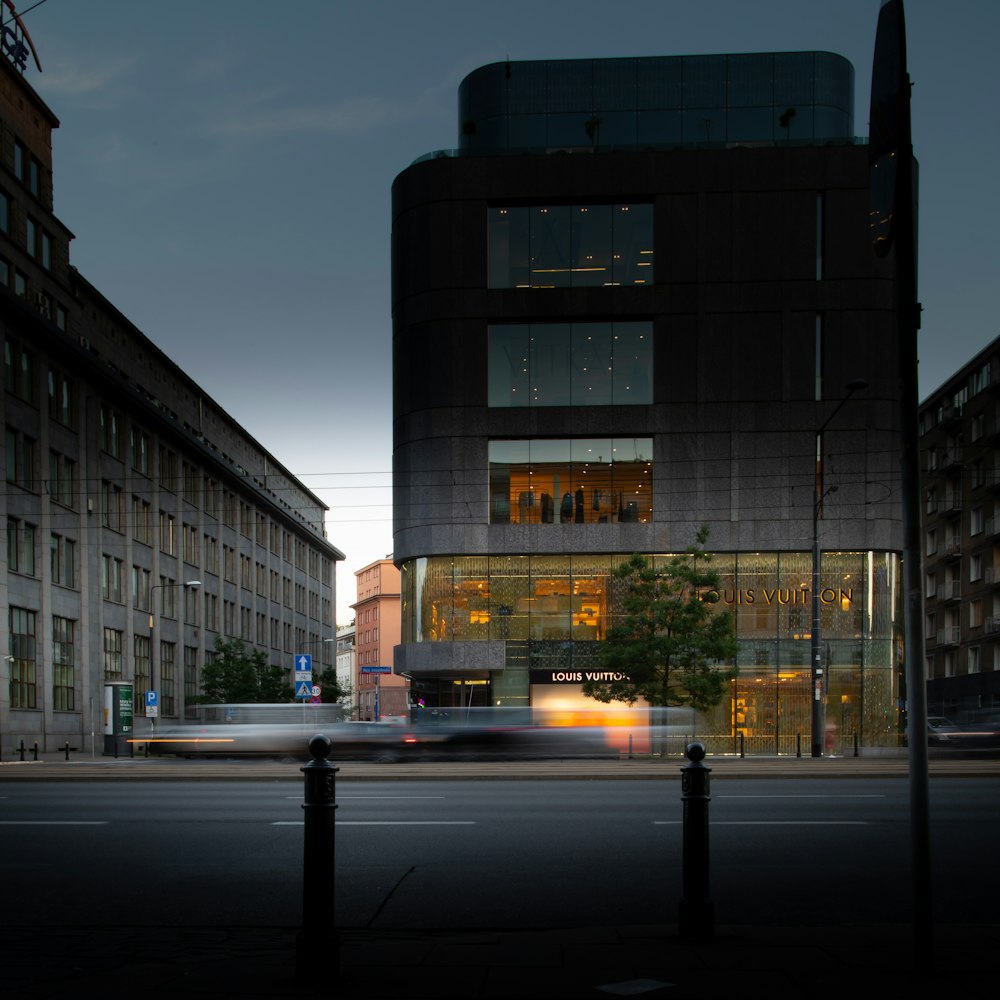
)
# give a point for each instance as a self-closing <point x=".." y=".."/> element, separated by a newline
<point x="498" y="854"/>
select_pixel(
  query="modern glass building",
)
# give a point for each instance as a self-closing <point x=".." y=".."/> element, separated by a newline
<point x="627" y="305"/>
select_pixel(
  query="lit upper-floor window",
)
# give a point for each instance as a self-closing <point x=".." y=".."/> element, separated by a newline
<point x="578" y="481"/>
<point x="570" y="246"/>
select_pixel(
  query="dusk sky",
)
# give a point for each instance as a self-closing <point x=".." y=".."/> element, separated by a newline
<point x="225" y="166"/>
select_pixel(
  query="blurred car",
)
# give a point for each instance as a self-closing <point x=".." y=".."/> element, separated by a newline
<point x="940" y="730"/>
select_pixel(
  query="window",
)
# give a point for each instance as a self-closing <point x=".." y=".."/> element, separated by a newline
<point x="211" y="612"/>
<point x="191" y="682"/>
<point x="167" y="533"/>
<point x="562" y="246"/>
<point x="23" y="668"/>
<point x="168" y="468"/>
<point x="113" y="654"/>
<point x="981" y="379"/>
<point x="20" y="546"/>
<point x="20" y="460"/>
<point x="5" y="211"/>
<point x="63" y="664"/>
<point x="192" y="483"/>
<point x="142" y="528"/>
<point x="975" y="568"/>
<point x="111" y="505"/>
<point x="978" y="426"/>
<point x="139" y="448"/>
<point x="62" y="558"/>
<point x="140" y="588"/>
<point x="975" y="614"/>
<point x="190" y="541"/>
<point x="62" y="479"/>
<point x="111" y="578"/>
<point x="583" y="481"/>
<point x="110" y="427"/>
<point x="229" y="563"/>
<point x="191" y="605"/>
<point x="974" y="659"/>
<point x="211" y="554"/>
<point x="62" y="398"/>
<point x="976" y="521"/>
<point x="570" y="364"/>
<point x="246" y="572"/>
<point x="140" y="659"/>
<point x="19" y="371"/>
<point x="228" y="617"/>
<point x="168" y="597"/>
<point x="211" y="494"/>
<point x="167" y="679"/>
<point x="931" y="542"/>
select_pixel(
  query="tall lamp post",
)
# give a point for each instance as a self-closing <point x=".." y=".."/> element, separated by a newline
<point x="818" y="709"/>
<point x="154" y="659"/>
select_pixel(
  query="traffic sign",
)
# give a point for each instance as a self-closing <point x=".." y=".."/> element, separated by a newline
<point x="303" y="689"/>
<point x="303" y="663"/>
<point x="376" y="670"/>
<point x="152" y="705"/>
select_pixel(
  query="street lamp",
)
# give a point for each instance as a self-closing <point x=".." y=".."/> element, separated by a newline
<point x="154" y="659"/>
<point x="818" y="714"/>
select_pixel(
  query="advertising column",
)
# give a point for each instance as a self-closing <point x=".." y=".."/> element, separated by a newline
<point x="117" y="718"/>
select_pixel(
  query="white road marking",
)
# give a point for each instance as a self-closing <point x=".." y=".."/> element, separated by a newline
<point x="390" y="822"/>
<point x="772" y="822"/>
<point x="53" y="822"/>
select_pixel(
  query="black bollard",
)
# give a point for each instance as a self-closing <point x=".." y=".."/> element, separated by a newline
<point x="36" y="750"/>
<point x="742" y="744"/>
<point x="66" y="748"/>
<point x="317" y="945"/>
<point x="696" y="912"/>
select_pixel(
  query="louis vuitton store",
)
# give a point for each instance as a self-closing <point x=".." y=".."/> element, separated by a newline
<point x="525" y="630"/>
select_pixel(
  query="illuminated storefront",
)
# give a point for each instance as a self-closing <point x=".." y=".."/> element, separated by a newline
<point x="548" y="614"/>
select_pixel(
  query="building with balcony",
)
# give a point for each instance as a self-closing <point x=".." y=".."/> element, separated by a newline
<point x="628" y="304"/>
<point x="142" y="519"/>
<point x="960" y="451"/>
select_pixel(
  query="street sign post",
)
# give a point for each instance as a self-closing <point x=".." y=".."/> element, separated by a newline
<point x="377" y="671"/>
<point x="303" y="676"/>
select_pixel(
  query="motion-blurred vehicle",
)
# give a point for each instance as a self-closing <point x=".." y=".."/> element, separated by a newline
<point x="940" y="730"/>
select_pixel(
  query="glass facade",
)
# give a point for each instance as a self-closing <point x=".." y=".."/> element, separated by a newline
<point x="656" y="102"/>
<point x="577" y="481"/>
<point x="551" y="610"/>
<point x="570" y="364"/>
<point x="570" y="246"/>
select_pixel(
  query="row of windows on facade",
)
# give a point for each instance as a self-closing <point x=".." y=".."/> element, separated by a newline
<point x="194" y="487"/>
<point x="24" y="685"/>
<point x="22" y="542"/>
<point x="982" y="613"/>
<point x="954" y="404"/>
<point x="37" y="239"/>
<point x="952" y="660"/>
<point x="62" y="488"/>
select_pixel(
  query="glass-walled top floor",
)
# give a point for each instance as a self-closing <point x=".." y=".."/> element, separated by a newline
<point x="658" y="100"/>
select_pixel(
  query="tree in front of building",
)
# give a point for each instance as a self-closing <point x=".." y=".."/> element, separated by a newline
<point x="331" y="691"/>
<point x="666" y="641"/>
<point x="238" y="676"/>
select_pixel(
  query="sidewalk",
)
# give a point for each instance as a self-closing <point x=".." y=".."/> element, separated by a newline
<point x="53" y="963"/>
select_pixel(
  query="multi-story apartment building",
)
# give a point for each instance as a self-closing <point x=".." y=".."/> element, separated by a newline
<point x="960" y="446"/>
<point x="142" y="520"/>
<point x="628" y="304"/>
<point x="379" y="692"/>
<point x="347" y="664"/>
